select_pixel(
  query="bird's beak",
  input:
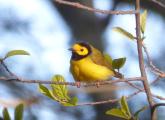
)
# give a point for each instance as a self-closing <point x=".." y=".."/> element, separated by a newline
<point x="71" y="49"/>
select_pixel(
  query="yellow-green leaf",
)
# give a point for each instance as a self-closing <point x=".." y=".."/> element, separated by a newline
<point x="143" y="18"/>
<point x="124" y="32"/>
<point x="18" y="114"/>
<point x="45" y="91"/>
<point x="6" y="115"/>
<point x="118" y="63"/>
<point x="72" y="102"/>
<point x="108" y="58"/>
<point x="124" y="106"/>
<point x="16" y="52"/>
<point x="117" y="112"/>
<point x="60" y="91"/>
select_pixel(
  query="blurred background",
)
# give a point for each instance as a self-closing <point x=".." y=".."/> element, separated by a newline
<point x="46" y="30"/>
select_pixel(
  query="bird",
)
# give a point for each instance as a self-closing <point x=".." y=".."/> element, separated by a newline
<point x="88" y="64"/>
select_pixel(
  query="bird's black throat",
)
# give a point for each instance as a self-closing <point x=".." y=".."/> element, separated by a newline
<point x="76" y="56"/>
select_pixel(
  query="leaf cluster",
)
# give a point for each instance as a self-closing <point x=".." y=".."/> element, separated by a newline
<point x="124" y="112"/>
<point x="58" y="93"/>
<point x="18" y="113"/>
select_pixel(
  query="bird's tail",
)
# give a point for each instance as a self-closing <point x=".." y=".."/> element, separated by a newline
<point x="118" y="75"/>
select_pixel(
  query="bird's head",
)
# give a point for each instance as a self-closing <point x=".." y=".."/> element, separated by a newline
<point x="80" y="50"/>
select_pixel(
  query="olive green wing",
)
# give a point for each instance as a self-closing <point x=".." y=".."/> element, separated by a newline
<point x="98" y="58"/>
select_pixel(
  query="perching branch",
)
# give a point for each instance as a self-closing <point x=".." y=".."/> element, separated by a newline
<point x="83" y="84"/>
<point x="127" y="80"/>
<point x="80" y="6"/>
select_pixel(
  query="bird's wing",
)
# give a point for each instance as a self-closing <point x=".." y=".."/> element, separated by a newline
<point x="98" y="58"/>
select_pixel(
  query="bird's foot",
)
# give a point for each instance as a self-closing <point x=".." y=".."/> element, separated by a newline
<point x="97" y="84"/>
<point x="78" y="84"/>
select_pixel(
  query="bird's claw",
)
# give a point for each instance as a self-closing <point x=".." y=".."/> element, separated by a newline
<point x="78" y="84"/>
<point x="97" y="84"/>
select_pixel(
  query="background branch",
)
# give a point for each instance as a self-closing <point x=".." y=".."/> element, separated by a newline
<point x="154" y="108"/>
<point x="154" y="69"/>
<point x="140" y="54"/>
<point x="158" y="3"/>
<point x="80" y="6"/>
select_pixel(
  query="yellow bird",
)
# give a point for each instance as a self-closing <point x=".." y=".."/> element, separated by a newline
<point x="89" y="64"/>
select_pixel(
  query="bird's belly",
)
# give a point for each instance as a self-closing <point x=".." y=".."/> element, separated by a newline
<point x="90" y="72"/>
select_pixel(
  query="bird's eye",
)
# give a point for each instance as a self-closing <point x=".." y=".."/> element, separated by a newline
<point x="81" y="50"/>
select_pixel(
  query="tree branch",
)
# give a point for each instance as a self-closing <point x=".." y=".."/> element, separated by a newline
<point x="140" y="54"/>
<point x="142" y="90"/>
<point x="110" y="100"/>
<point x="158" y="3"/>
<point x="154" y="108"/>
<point x="15" y="102"/>
<point x="6" y="68"/>
<point x="83" y="84"/>
<point x="80" y="6"/>
<point x="154" y="69"/>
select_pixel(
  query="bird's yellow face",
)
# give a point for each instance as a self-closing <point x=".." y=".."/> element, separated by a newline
<point x="80" y="50"/>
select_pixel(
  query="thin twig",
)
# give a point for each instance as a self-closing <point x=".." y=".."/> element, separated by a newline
<point x="108" y="101"/>
<point x="157" y="71"/>
<point x="99" y="102"/>
<point x="155" y="106"/>
<point x="116" y="100"/>
<point x="80" y="6"/>
<point x="6" y="68"/>
<point x="142" y="90"/>
<point x="154" y="69"/>
<point x="154" y="81"/>
<point x="158" y="3"/>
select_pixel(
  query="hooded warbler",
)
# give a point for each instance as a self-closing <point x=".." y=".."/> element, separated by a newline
<point x="88" y="64"/>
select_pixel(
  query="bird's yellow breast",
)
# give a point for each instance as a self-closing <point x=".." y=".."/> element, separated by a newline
<point x="86" y="70"/>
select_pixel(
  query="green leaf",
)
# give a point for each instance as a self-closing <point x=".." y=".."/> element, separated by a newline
<point x="124" y="106"/>
<point x="72" y="102"/>
<point x="117" y="112"/>
<point x="45" y="91"/>
<point x="118" y="63"/>
<point x="143" y="18"/>
<point x="139" y="111"/>
<point x="124" y="32"/>
<point x="18" y="114"/>
<point x="16" y="52"/>
<point x="60" y="91"/>
<point x="108" y="58"/>
<point x="6" y="115"/>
